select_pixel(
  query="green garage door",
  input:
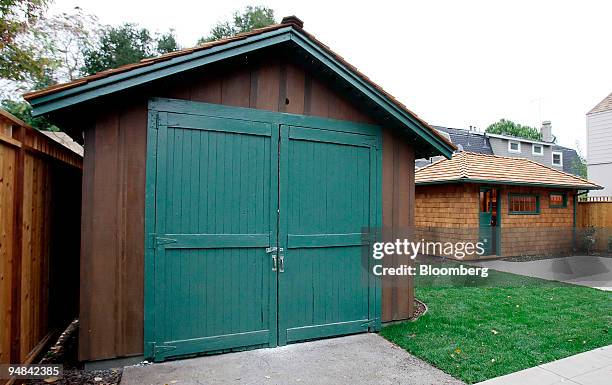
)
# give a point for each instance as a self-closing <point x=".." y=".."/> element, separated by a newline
<point x="257" y="229"/>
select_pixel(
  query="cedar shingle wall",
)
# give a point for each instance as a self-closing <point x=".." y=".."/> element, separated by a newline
<point x="447" y="213"/>
<point x="550" y="232"/>
<point x="450" y="206"/>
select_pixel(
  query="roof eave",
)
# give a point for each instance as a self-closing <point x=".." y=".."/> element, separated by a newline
<point x="510" y="183"/>
<point x="123" y="80"/>
<point x="97" y="88"/>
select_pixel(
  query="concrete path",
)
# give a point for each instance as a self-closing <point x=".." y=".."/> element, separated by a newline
<point x="353" y="360"/>
<point x="580" y="270"/>
<point x="589" y="368"/>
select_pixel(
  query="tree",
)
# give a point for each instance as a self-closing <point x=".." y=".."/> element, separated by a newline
<point x="19" y="58"/>
<point x="125" y="44"/>
<point x="166" y="43"/>
<point x="68" y="36"/>
<point x="250" y="18"/>
<point x="508" y="127"/>
<point x="23" y="111"/>
<point x="579" y="165"/>
<point x="118" y="46"/>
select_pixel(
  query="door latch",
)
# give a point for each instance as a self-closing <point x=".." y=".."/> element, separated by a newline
<point x="281" y="263"/>
<point x="273" y="262"/>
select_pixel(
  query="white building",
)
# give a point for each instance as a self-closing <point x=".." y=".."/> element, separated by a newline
<point x="599" y="146"/>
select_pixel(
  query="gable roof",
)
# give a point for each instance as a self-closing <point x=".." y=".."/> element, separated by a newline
<point x="604" y="105"/>
<point x="472" y="141"/>
<point x="107" y="82"/>
<point x="469" y="167"/>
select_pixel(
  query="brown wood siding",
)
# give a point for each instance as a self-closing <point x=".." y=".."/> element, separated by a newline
<point x="114" y="190"/>
<point x="112" y="248"/>
<point x="398" y="221"/>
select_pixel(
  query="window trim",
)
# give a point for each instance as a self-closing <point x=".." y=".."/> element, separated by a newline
<point x="552" y="158"/>
<point x="537" y="197"/>
<point x="533" y="146"/>
<point x="562" y="205"/>
<point x="510" y="146"/>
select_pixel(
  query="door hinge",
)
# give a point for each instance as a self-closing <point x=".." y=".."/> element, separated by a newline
<point x="156" y="122"/>
<point x="159" y="349"/>
<point x="160" y="241"/>
<point x="370" y="323"/>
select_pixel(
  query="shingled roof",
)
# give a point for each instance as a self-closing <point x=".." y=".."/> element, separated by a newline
<point x="469" y="167"/>
<point x="604" y="105"/>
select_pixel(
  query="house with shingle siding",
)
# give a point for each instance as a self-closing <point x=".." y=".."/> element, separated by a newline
<point x="513" y="206"/>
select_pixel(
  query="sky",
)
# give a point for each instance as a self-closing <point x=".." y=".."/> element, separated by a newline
<point x="454" y="63"/>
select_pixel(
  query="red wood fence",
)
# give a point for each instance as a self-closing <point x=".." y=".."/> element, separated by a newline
<point x="596" y="213"/>
<point x="40" y="192"/>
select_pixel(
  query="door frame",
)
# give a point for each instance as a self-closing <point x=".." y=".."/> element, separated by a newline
<point x="160" y="105"/>
<point x="497" y="229"/>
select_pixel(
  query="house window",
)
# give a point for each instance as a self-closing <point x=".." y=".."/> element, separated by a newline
<point x="523" y="204"/>
<point x="557" y="158"/>
<point x="558" y="200"/>
<point x="514" y="146"/>
<point x="536" y="149"/>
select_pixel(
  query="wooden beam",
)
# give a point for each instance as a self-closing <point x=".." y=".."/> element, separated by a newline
<point x="15" y="355"/>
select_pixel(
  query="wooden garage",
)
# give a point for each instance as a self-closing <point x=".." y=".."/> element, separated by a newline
<point x="513" y="206"/>
<point x="230" y="194"/>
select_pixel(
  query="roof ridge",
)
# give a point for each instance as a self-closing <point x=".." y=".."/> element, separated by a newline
<point x="463" y="166"/>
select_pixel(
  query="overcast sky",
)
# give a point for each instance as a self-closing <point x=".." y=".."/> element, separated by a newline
<point x="454" y="63"/>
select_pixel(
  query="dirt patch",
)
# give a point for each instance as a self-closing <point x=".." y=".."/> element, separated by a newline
<point x="419" y="309"/>
<point x="64" y="352"/>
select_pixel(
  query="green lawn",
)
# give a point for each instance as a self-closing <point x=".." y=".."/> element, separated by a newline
<point x="477" y="331"/>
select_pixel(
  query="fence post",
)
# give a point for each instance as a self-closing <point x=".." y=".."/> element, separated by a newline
<point x="15" y="356"/>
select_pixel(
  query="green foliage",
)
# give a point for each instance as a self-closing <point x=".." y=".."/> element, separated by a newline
<point x="23" y="111"/>
<point x="508" y="127"/>
<point x="118" y="46"/>
<point x="125" y="44"/>
<point x="20" y="59"/>
<point x="167" y="43"/>
<point x="250" y="18"/>
<point x="579" y="165"/>
<point x="480" y="331"/>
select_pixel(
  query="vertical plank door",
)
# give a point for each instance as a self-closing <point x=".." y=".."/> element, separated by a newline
<point x="215" y="216"/>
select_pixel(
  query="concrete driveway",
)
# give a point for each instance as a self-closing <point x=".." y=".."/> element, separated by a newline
<point x="580" y="270"/>
<point x="353" y="360"/>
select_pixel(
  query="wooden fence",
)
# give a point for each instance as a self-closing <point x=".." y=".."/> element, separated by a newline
<point x="40" y="192"/>
<point x="596" y="213"/>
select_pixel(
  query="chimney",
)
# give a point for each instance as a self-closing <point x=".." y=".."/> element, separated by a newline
<point x="546" y="131"/>
<point x="293" y="20"/>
